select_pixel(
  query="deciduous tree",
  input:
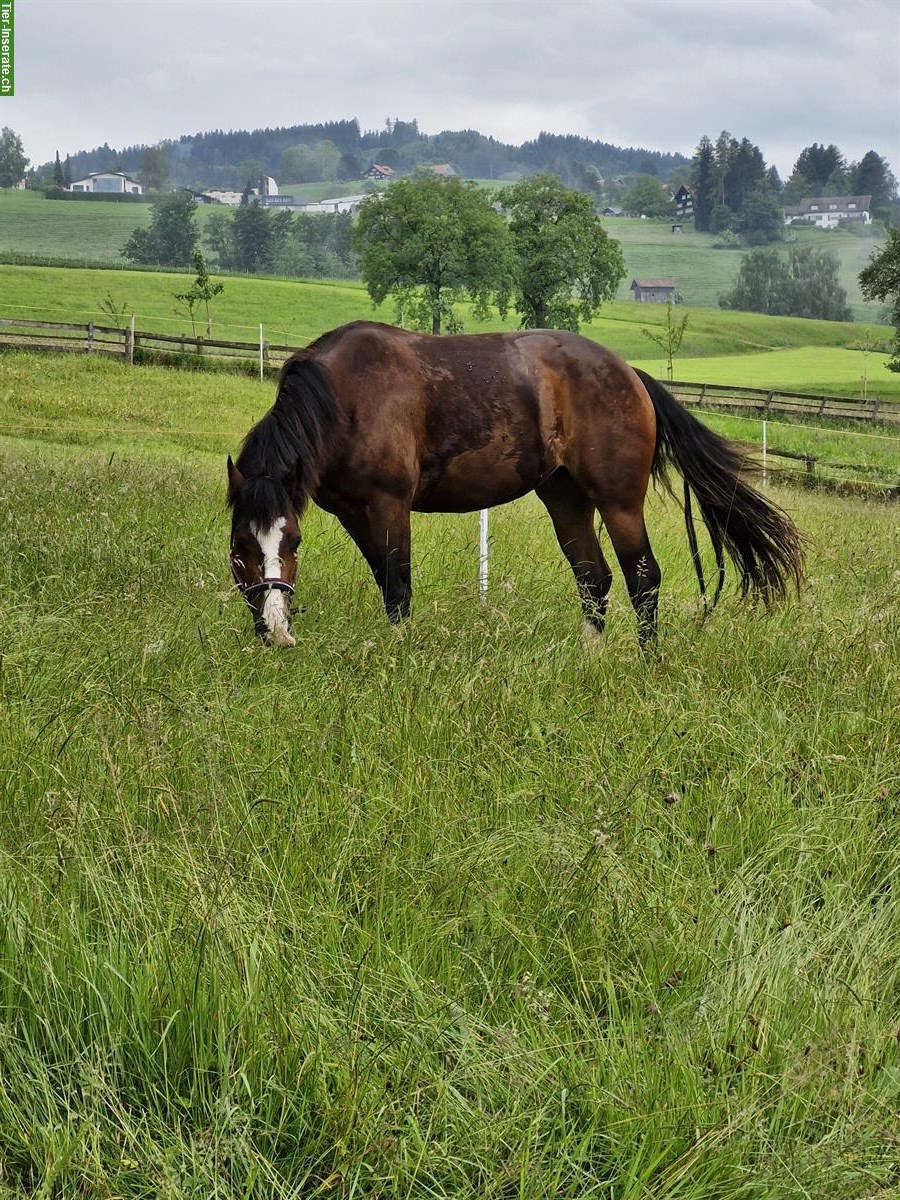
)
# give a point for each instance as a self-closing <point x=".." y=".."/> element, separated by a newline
<point x="430" y="242"/>
<point x="12" y="158"/>
<point x="805" y="284"/>
<point x="172" y="236"/>
<point x="201" y="292"/>
<point x="880" y="280"/>
<point x="566" y="263"/>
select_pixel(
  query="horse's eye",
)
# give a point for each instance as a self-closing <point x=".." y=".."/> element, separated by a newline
<point x="293" y="545"/>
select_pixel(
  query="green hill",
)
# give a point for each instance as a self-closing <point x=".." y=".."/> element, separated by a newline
<point x="719" y="346"/>
<point x="95" y="233"/>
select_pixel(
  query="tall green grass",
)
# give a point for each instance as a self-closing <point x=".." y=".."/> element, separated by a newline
<point x="452" y="910"/>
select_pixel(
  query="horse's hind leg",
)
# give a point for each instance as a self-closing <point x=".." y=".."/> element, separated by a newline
<point x="628" y="534"/>
<point x="572" y="512"/>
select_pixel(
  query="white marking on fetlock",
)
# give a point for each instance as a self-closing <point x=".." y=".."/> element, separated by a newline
<point x="591" y="637"/>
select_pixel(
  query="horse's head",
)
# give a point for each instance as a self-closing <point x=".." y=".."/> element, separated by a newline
<point x="265" y="537"/>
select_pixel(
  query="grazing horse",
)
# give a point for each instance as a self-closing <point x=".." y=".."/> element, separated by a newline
<point x="373" y="422"/>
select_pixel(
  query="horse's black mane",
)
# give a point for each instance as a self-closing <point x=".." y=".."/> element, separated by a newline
<point x="283" y="452"/>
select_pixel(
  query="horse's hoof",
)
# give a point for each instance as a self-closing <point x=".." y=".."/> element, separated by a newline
<point x="592" y="638"/>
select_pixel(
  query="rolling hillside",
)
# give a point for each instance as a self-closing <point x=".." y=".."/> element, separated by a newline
<point x="95" y="233"/>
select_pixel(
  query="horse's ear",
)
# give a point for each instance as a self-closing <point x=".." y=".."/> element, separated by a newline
<point x="235" y="480"/>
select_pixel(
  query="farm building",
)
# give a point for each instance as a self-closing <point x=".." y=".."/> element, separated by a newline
<point x="443" y="169"/>
<point x="684" y="202"/>
<point x="336" y="204"/>
<point x="379" y="171"/>
<point x="825" y="212"/>
<point x="653" y="291"/>
<point x="106" y="181"/>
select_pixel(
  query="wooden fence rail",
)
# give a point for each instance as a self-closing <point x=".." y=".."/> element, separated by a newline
<point x="768" y="402"/>
<point x="89" y="338"/>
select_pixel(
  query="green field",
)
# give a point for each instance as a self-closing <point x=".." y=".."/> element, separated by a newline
<point x="704" y="273"/>
<point x="453" y="910"/>
<point x="738" y="348"/>
<point x="96" y="232"/>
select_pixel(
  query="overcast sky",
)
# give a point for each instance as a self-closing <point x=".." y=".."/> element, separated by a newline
<point x="650" y="73"/>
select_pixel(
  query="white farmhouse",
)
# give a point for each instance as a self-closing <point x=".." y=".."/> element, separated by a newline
<point x="826" y="212"/>
<point x="107" y="181"/>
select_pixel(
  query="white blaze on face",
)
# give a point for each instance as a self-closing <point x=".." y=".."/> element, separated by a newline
<point x="275" y="605"/>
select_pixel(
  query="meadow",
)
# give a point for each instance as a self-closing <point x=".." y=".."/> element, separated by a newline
<point x="96" y="232"/>
<point x="450" y="910"/>
<point x="739" y="348"/>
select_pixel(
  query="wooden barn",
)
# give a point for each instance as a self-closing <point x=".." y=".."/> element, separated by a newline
<point x="654" y="291"/>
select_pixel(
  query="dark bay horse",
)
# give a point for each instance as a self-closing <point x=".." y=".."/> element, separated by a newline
<point x="373" y="422"/>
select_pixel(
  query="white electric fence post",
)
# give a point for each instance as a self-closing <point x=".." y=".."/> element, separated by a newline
<point x="261" y="353"/>
<point x="765" y="472"/>
<point x="483" y="552"/>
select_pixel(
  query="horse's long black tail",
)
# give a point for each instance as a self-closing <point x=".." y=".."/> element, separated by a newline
<point x="762" y="541"/>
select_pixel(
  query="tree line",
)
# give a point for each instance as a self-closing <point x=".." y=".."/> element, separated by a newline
<point x="341" y="150"/>
<point x="735" y="192"/>
<point x="427" y="242"/>
<point x="250" y="239"/>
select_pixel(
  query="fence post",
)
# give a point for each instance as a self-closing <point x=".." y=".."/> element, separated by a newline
<point x="810" y="465"/>
<point x="483" y="552"/>
<point x="90" y="337"/>
<point x="700" y="397"/>
<point x="129" y="342"/>
<point x="262" y="352"/>
<point x="765" y="473"/>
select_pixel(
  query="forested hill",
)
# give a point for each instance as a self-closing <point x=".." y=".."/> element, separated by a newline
<point x="230" y="159"/>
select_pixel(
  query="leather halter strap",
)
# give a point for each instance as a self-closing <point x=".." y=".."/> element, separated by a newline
<point x="264" y="585"/>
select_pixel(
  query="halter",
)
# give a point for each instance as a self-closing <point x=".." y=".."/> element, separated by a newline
<point x="248" y="590"/>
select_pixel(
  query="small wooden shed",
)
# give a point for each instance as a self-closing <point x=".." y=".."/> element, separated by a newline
<point x="654" y="291"/>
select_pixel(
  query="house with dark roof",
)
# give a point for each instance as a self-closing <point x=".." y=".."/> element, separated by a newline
<point x="653" y="291"/>
<point x="684" y="202"/>
<point x="380" y="171"/>
<point x="826" y="212"/>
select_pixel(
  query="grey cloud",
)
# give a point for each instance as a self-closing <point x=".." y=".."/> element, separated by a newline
<point x="657" y="73"/>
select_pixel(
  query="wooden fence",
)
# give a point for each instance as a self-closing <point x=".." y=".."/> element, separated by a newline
<point x="137" y="345"/>
<point x="766" y="402"/>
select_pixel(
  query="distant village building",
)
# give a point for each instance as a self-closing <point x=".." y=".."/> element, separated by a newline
<point x="107" y="181"/>
<point x="337" y="204"/>
<point x="826" y="212"/>
<point x="443" y="169"/>
<point x="653" y="291"/>
<point x="201" y="197"/>
<point x="379" y="171"/>
<point x="224" y="196"/>
<point x="684" y="202"/>
<point x="612" y="211"/>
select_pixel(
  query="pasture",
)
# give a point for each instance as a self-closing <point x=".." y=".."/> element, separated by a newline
<point x="449" y="910"/>
<point x="738" y="347"/>
<point x="96" y="232"/>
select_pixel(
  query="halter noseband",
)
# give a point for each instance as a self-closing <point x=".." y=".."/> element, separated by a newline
<point x="248" y="590"/>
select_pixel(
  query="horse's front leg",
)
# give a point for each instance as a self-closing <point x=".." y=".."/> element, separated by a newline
<point x="380" y="529"/>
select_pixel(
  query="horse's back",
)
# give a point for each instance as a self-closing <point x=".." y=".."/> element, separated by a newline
<point x="474" y="420"/>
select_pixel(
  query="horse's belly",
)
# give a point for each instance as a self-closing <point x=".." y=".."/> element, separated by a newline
<point x="477" y="479"/>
